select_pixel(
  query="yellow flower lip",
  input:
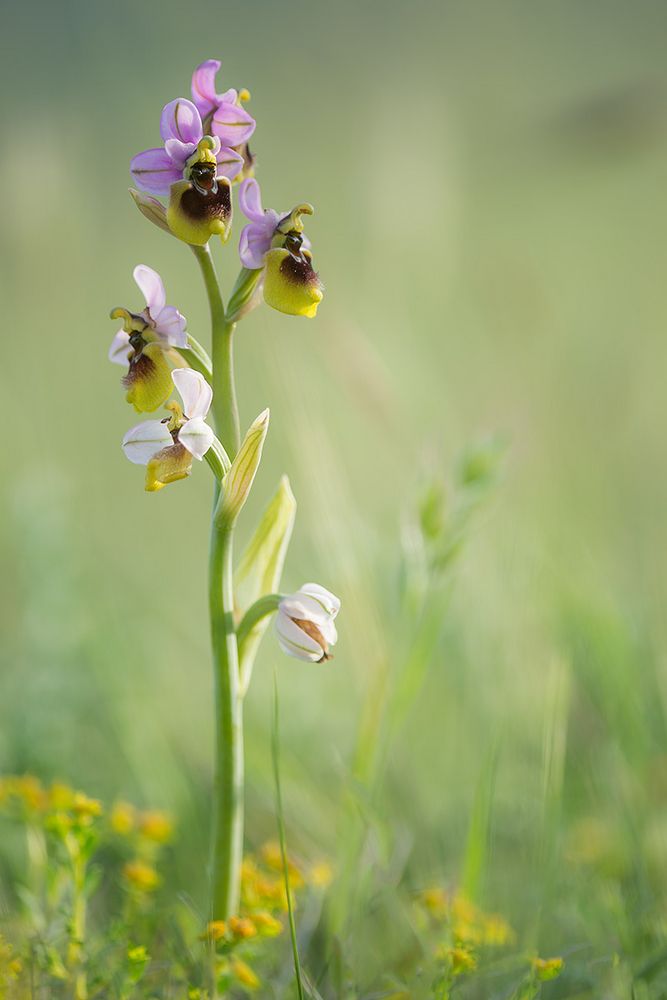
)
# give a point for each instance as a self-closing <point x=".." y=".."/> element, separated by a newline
<point x="194" y="216"/>
<point x="148" y="381"/>
<point x="290" y="284"/>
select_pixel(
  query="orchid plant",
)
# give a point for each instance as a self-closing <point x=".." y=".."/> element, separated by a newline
<point x="203" y="156"/>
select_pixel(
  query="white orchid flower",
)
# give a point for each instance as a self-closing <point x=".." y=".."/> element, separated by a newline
<point x="167" y="447"/>
<point x="304" y="623"/>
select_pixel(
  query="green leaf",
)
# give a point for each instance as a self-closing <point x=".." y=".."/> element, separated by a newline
<point x="261" y="565"/>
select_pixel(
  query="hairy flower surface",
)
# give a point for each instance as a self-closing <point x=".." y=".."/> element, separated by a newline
<point x="276" y="243"/>
<point x="166" y="447"/>
<point x="144" y="341"/>
<point x="305" y="623"/>
<point x="155" y="170"/>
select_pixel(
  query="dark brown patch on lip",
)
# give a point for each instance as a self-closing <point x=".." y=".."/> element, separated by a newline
<point x="298" y="270"/>
<point x="141" y="367"/>
<point x="200" y="207"/>
<point x="311" y="629"/>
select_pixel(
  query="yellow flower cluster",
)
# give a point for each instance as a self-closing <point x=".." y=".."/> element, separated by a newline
<point x="10" y="965"/>
<point x="73" y="817"/>
<point x="151" y="825"/>
<point x="58" y="808"/>
<point x="547" y="968"/>
<point x="263" y="904"/>
<point x="147" y="832"/>
<point x="461" y="927"/>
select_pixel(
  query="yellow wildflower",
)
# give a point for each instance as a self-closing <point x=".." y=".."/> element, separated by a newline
<point x="244" y="974"/>
<point x="242" y="927"/>
<point x="156" y="826"/>
<point x="434" y="901"/>
<point x="123" y="818"/>
<point x="86" y="809"/>
<point x="463" y="960"/>
<point x="267" y="924"/>
<point x="547" y="968"/>
<point x="215" y="930"/>
<point x="29" y="789"/>
<point x="141" y="876"/>
<point x="496" y="931"/>
<point x="138" y="954"/>
<point x="61" y="796"/>
<point x="321" y="875"/>
<point x="272" y="858"/>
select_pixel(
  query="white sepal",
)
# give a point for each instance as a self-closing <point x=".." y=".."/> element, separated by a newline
<point x="294" y="641"/>
<point x="151" y="286"/>
<point x="196" y="436"/>
<point x="144" y="441"/>
<point x="195" y="392"/>
<point x="120" y="349"/>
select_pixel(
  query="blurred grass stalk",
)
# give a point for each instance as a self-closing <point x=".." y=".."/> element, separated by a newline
<point x="433" y="542"/>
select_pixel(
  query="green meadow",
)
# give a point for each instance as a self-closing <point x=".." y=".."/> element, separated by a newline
<point x="474" y="430"/>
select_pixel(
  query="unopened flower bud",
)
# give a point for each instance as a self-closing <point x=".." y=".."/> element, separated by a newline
<point x="305" y="623"/>
<point x="151" y="209"/>
<point x="238" y="482"/>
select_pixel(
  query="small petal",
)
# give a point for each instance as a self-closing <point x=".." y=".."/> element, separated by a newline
<point x="195" y="392"/>
<point x="232" y="124"/>
<point x="151" y="286"/>
<point x="250" y="200"/>
<point x="171" y="324"/>
<point x="145" y="440"/>
<point x="178" y="152"/>
<point x="203" y="86"/>
<point x="196" y="436"/>
<point x="328" y="602"/>
<point x="254" y="244"/>
<point x="153" y="171"/>
<point x="294" y="641"/>
<point x="120" y="349"/>
<point x="181" y="120"/>
<point x="230" y="163"/>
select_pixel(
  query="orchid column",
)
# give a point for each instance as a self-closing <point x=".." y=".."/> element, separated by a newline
<point x="204" y="154"/>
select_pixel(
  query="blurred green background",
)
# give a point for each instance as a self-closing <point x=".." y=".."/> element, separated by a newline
<point x="489" y="183"/>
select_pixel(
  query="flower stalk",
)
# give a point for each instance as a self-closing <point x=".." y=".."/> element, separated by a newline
<point x="225" y="407"/>
<point x="227" y="838"/>
<point x="204" y="148"/>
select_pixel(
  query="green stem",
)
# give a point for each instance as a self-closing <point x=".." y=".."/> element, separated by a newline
<point x="227" y="837"/>
<point x="225" y="409"/>
<point x="275" y="749"/>
<point x="78" y="925"/>
<point x="227" y="842"/>
<point x="260" y="609"/>
<point x="195" y="355"/>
